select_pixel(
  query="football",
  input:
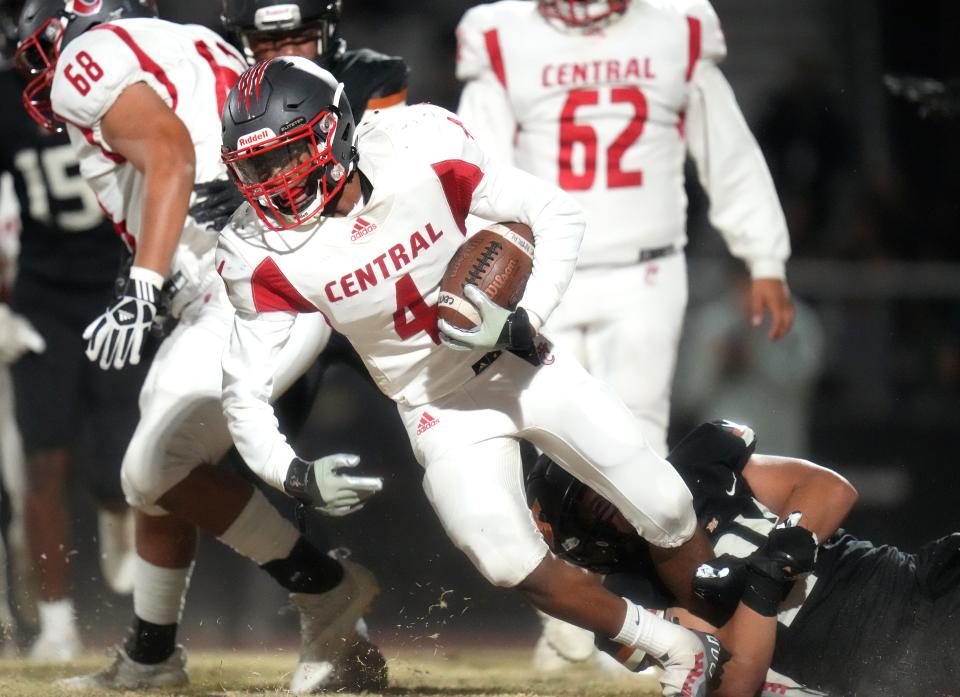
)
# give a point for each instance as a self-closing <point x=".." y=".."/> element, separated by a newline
<point x="498" y="260"/>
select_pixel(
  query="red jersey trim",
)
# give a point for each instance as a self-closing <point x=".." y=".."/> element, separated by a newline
<point x="88" y="135"/>
<point x="119" y="227"/>
<point x="695" y="41"/>
<point x="272" y="292"/>
<point x="146" y="62"/>
<point x="224" y="76"/>
<point x="492" y="40"/>
<point x="459" y="180"/>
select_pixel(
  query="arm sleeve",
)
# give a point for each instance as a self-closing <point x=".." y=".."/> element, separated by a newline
<point x="484" y="103"/>
<point x="744" y="205"/>
<point x="248" y="368"/>
<point x="508" y="194"/>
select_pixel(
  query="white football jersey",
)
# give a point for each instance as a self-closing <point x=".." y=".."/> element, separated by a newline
<point x="375" y="274"/>
<point x="190" y="67"/>
<point x="603" y="113"/>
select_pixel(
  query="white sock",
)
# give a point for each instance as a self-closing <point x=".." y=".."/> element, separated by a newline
<point x="260" y="533"/>
<point x="645" y="630"/>
<point x="158" y="593"/>
<point x="57" y="617"/>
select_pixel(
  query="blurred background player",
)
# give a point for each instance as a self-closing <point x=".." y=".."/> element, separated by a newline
<point x="68" y="261"/>
<point x="141" y="100"/>
<point x="605" y="98"/>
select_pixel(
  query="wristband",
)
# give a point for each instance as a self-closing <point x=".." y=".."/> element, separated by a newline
<point x="762" y="593"/>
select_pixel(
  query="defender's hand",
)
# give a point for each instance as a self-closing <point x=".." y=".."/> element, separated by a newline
<point x="216" y="202"/>
<point x="693" y="665"/>
<point x="789" y="553"/>
<point x="499" y="328"/>
<point x="771" y="295"/>
<point x="116" y="337"/>
<point x="324" y="484"/>
<point x="17" y="336"/>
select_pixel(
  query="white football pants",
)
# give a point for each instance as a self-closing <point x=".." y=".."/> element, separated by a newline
<point x="181" y="418"/>
<point x="467" y="444"/>
<point x="624" y="324"/>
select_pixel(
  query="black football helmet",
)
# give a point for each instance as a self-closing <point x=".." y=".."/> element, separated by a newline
<point x="578" y="524"/>
<point x="288" y="136"/>
<point x="46" y="26"/>
<point x="279" y="22"/>
<point x="582" y="13"/>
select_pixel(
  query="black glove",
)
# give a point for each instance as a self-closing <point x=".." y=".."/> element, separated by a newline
<point x="721" y="581"/>
<point x="116" y="337"/>
<point x="789" y="553"/>
<point x="216" y="202"/>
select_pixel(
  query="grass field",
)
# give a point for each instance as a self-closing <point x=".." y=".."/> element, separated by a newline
<point x="498" y="673"/>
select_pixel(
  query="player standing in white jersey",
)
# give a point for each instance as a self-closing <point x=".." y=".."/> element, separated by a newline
<point x="141" y="100"/>
<point x="289" y="141"/>
<point x="605" y="99"/>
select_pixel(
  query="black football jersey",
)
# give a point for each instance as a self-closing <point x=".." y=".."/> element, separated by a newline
<point x="859" y="623"/>
<point x="65" y="237"/>
<point x="367" y="75"/>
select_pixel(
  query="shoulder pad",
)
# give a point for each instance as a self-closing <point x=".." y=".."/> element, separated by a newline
<point x="232" y="263"/>
<point x="367" y="75"/>
<point x="92" y="72"/>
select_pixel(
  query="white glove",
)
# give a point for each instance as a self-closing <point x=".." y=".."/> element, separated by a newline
<point x="116" y="337"/>
<point x="694" y="661"/>
<point x="17" y="336"/>
<point x="323" y="484"/>
<point x="499" y="327"/>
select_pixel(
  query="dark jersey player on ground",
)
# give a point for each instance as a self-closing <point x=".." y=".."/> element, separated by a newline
<point x="69" y="259"/>
<point x="868" y="620"/>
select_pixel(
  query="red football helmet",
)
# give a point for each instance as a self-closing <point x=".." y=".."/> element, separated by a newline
<point x="582" y="13"/>
<point x="45" y="27"/>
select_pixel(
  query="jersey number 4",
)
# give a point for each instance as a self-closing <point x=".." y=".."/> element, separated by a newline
<point x="89" y="71"/>
<point x="573" y="133"/>
<point x="424" y="316"/>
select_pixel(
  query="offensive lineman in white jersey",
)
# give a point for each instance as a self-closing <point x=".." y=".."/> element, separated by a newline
<point x="605" y="98"/>
<point x="140" y="98"/>
<point x="364" y="241"/>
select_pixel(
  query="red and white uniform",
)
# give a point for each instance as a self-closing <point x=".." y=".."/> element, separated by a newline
<point x="181" y="422"/>
<point x="609" y="114"/>
<point x="375" y="276"/>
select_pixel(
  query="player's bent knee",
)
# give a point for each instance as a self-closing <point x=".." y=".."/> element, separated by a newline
<point x="504" y="564"/>
<point x="676" y="518"/>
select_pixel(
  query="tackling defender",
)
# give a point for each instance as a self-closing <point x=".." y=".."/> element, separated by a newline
<point x="141" y="98"/>
<point x="868" y="619"/>
<point x="413" y="177"/>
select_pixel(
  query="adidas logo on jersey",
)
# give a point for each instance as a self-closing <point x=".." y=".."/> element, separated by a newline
<point x="426" y="423"/>
<point x="362" y="228"/>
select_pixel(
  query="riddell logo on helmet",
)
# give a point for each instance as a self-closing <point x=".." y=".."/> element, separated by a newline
<point x="426" y="423"/>
<point x="84" y="7"/>
<point x="361" y="228"/>
<point x="256" y="137"/>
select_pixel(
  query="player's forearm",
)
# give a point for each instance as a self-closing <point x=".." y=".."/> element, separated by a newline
<point x="750" y="638"/>
<point x="557" y="221"/>
<point x="744" y="205"/>
<point x="167" y="184"/>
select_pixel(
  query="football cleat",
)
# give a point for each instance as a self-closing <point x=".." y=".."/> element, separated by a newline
<point x="126" y="674"/>
<point x="328" y="628"/>
<point x="58" y="647"/>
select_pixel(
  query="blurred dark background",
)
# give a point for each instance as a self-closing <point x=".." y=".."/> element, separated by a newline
<point x="868" y="383"/>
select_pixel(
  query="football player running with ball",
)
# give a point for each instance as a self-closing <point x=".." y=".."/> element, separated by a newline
<point x="605" y="99"/>
<point x="414" y="176"/>
<point x="141" y="99"/>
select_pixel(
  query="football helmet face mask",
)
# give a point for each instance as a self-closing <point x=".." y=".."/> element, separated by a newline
<point x="271" y="25"/>
<point x="582" y="13"/>
<point x="288" y="140"/>
<point x="45" y="27"/>
<point x="578" y="524"/>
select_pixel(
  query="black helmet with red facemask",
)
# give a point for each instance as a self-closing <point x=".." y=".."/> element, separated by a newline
<point x="46" y="27"/>
<point x="288" y="135"/>
<point x="582" y="13"/>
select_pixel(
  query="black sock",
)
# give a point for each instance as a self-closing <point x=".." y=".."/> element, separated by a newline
<point x="150" y="643"/>
<point x="305" y="570"/>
